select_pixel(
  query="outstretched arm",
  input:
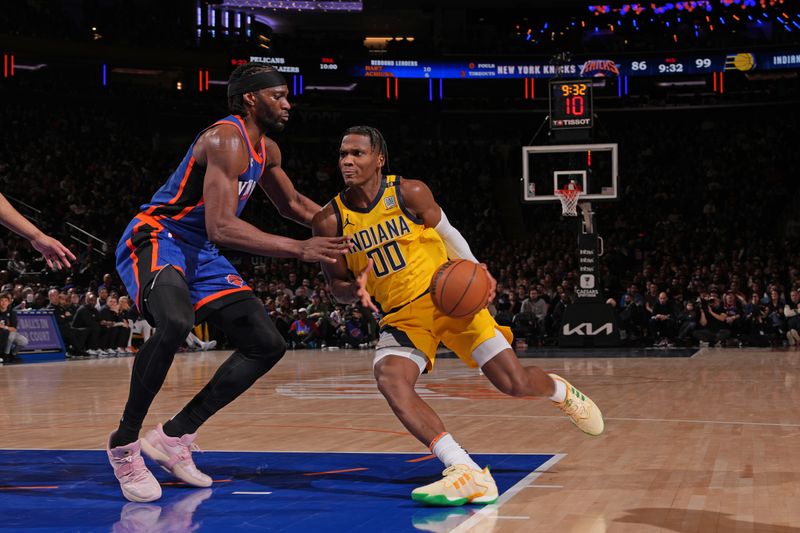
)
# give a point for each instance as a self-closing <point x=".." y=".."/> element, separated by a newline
<point x="56" y="254"/>
<point x="281" y="192"/>
<point x="224" y="154"/>
<point x="344" y="287"/>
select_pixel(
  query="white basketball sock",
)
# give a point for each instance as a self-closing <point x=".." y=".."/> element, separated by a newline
<point x="451" y="453"/>
<point x="561" y="391"/>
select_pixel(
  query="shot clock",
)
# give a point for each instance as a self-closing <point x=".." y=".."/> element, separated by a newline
<point x="570" y="104"/>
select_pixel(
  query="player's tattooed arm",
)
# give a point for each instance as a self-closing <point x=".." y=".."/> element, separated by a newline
<point x="279" y="188"/>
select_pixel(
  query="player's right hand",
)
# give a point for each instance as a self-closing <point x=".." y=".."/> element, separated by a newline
<point x="325" y="249"/>
<point x="55" y="254"/>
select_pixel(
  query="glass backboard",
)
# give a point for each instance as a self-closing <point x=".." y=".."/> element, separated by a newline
<point x="593" y="167"/>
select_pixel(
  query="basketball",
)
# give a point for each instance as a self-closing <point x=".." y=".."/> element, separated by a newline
<point x="459" y="288"/>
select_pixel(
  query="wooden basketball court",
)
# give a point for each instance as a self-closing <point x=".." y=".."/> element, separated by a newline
<point x="701" y="444"/>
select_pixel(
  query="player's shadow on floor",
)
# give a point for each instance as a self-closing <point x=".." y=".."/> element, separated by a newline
<point x="298" y="480"/>
<point x="692" y="520"/>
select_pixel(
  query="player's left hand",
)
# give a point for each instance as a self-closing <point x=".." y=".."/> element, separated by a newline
<point x="492" y="284"/>
<point x="56" y="254"/>
<point x="361" y="292"/>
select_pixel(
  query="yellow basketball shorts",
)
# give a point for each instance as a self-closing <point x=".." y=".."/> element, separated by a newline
<point x="415" y="331"/>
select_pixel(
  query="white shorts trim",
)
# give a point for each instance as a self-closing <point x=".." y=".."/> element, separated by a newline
<point x="485" y="351"/>
<point x="402" y="351"/>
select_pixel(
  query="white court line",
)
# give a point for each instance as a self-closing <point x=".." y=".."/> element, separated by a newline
<point x="249" y="492"/>
<point x="507" y="495"/>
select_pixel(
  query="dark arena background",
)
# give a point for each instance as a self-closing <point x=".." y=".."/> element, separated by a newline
<point x="669" y="294"/>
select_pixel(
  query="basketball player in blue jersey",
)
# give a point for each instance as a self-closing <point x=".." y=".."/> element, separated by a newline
<point x="170" y="264"/>
<point x="400" y="238"/>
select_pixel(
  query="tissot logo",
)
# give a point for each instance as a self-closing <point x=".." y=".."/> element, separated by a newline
<point x="587" y="329"/>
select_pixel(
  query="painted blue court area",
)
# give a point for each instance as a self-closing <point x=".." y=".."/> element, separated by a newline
<point x="55" y="490"/>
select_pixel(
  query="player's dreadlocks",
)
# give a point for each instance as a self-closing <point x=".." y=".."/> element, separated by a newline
<point x="376" y="141"/>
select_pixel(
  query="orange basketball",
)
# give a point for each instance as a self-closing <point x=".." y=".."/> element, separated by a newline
<point x="460" y="288"/>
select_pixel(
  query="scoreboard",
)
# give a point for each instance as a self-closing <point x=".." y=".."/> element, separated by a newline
<point x="570" y="104"/>
<point x="614" y="65"/>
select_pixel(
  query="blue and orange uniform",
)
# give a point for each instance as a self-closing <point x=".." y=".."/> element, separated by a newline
<point x="171" y="230"/>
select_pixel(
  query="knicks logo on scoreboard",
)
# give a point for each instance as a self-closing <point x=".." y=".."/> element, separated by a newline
<point x="599" y="68"/>
<point x="235" y="280"/>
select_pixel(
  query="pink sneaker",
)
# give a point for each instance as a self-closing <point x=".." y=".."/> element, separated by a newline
<point x="135" y="480"/>
<point x="174" y="454"/>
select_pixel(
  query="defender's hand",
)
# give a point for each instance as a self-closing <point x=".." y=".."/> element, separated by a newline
<point x="327" y="249"/>
<point x="56" y="254"/>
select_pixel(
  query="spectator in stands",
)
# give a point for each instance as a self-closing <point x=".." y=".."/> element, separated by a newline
<point x="26" y="300"/>
<point x="775" y="317"/>
<point x="64" y="320"/>
<point x="536" y="305"/>
<point x="662" y="323"/>
<point x="116" y="330"/>
<point x="713" y="325"/>
<point x="8" y="322"/>
<point x="87" y="319"/>
<point x="102" y="297"/>
<point x="502" y="303"/>
<point x="792" y="313"/>
<point x="136" y="324"/>
<point x="303" y="333"/>
<point x="687" y="321"/>
<point x="753" y="325"/>
<point x="319" y="312"/>
<point x="632" y="318"/>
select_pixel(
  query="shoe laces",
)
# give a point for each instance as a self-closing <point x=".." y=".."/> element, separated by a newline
<point x="137" y="471"/>
<point x="454" y="471"/>
<point x="574" y="407"/>
<point x="185" y="452"/>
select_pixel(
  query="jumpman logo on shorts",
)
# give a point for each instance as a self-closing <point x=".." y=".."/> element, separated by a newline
<point x="347" y="222"/>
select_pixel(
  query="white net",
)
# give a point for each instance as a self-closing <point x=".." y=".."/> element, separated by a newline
<point x="569" y="201"/>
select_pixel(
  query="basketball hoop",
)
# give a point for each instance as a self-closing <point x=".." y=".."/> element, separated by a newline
<point x="569" y="201"/>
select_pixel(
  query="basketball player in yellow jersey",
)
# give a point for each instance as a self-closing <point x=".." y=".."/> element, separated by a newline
<point x="399" y="238"/>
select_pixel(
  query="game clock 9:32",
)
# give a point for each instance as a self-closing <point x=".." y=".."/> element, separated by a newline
<point x="570" y="104"/>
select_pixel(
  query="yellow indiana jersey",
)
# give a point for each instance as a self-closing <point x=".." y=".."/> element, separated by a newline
<point x="404" y="252"/>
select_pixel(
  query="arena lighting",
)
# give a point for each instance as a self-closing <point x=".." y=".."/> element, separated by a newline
<point x="684" y="83"/>
<point x="137" y="71"/>
<point x="294" y="5"/>
<point x="334" y="88"/>
<point x="40" y="66"/>
<point x="8" y="65"/>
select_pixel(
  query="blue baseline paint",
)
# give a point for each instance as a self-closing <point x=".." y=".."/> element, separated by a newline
<point x="375" y="499"/>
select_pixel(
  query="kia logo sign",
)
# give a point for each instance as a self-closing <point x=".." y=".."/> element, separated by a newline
<point x="587" y="329"/>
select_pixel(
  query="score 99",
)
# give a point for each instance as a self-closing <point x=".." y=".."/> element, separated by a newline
<point x="702" y="62"/>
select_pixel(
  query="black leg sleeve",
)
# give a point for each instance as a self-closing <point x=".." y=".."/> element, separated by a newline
<point x="259" y="347"/>
<point x="169" y="304"/>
